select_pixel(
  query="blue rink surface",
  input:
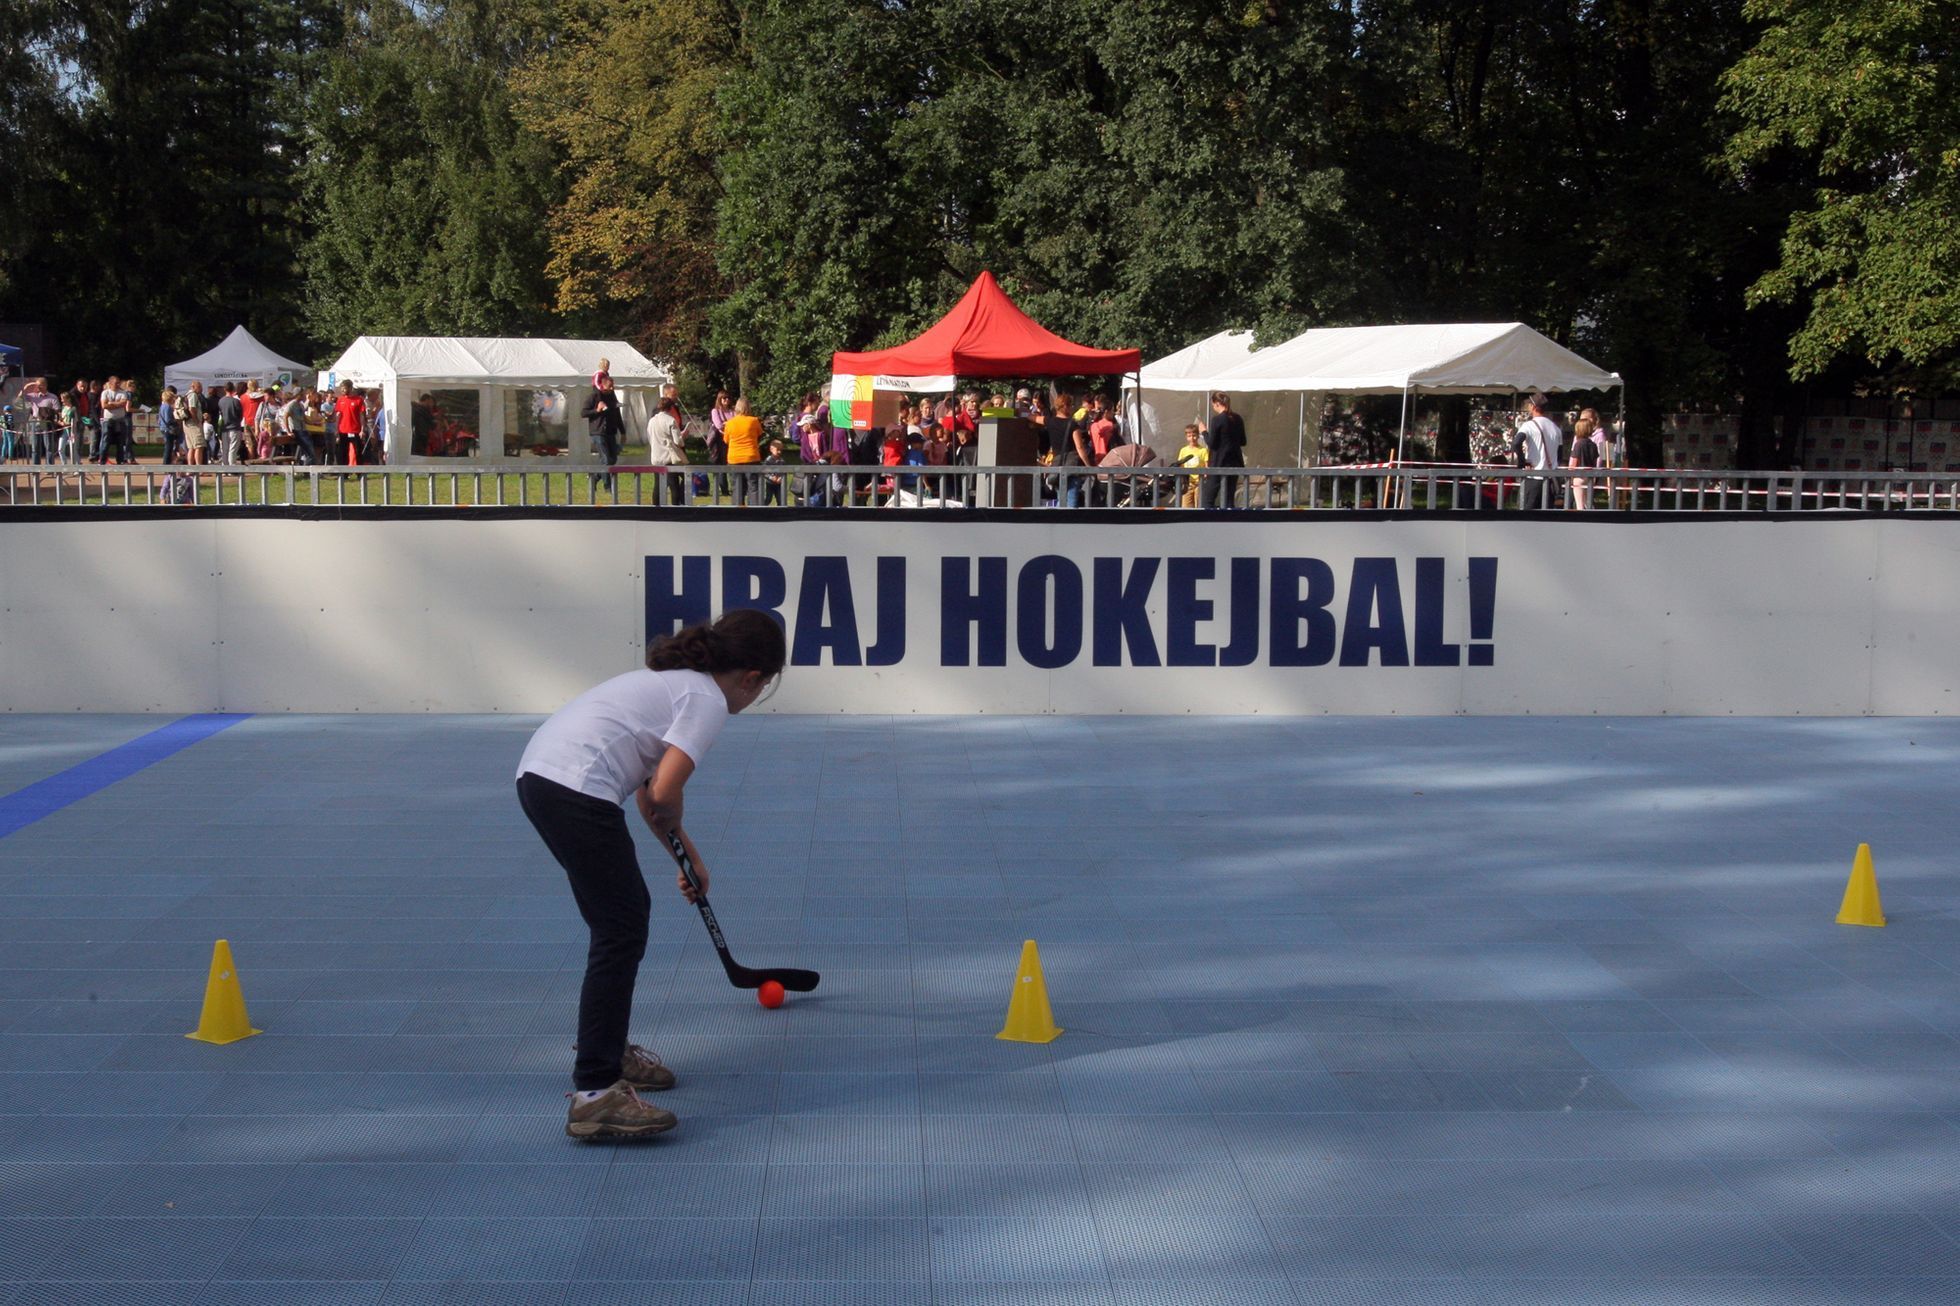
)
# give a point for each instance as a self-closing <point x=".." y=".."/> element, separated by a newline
<point x="1365" y="1011"/>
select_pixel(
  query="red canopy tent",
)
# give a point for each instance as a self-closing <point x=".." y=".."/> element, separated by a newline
<point x="985" y="334"/>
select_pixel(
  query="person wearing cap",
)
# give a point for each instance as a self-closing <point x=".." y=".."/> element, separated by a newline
<point x="810" y="437"/>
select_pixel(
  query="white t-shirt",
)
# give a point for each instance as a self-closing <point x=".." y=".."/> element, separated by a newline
<point x="607" y="741"/>
<point x="1541" y="440"/>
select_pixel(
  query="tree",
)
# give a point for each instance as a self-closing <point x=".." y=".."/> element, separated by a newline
<point x="1868" y="92"/>
<point x="820" y="243"/>
<point x="425" y="193"/>
<point x="1132" y="171"/>
<point x="35" y="117"/>
<point x="626" y="95"/>
<point x="165" y="157"/>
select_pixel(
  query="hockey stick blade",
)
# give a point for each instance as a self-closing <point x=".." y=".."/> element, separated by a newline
<point x="742" y="977"/>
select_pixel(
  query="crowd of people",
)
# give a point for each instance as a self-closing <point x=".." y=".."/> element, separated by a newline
<point x="1539" y="446"/>
<point x="231" y="424"/>
<point x="920" y="433"/>
<point x="756" y="462"/>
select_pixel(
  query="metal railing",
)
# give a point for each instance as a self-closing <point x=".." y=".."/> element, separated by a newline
<point x="1316" y="489"/>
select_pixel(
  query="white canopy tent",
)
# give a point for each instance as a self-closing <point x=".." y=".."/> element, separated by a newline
<point x="1462" y="358"/>
<point x="1275" y="423"/>
<point x="405" y="367"/>
<point x="238" y="357"/>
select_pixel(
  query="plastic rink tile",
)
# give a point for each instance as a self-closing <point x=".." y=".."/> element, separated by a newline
<point x="544" y="1248"/>
<point x="1046" y="1248"/>
<point x="842" y="1248"/>
<point x="861" y="1190"/>
<point x="1296" y="1068"/>
<point x="279" y="1248"/>
<point x="28" y="1244"/>
<point x="716" y="1249"/>
<point x="133" y="1249"/>
<point x="53" y="1189"/>
<point x="84" y="1292"/>
<point x="470" y="1292"/>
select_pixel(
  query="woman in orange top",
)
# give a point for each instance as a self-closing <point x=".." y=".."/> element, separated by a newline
<point x="743" y="432"/>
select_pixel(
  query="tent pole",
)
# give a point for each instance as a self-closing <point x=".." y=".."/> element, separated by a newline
<point x="1136" y="408"/>
<point x="1401" y="437"/>
<point x="1300" y="434"/>
<point x="1623" y="443"/>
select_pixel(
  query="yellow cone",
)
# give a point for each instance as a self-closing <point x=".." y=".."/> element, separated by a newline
<point x="224" y="1019"/>
<point x="1860" y="905"/>
<point x="1029" y="1019"/>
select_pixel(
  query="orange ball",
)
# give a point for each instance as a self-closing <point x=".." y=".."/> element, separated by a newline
<point x="770" y="994"/>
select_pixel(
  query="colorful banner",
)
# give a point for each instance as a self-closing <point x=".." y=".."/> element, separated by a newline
<point x="853" y="398"/>
<point x="850" y="401"/>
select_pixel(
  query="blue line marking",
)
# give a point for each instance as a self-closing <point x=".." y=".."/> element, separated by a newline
<point x="23" y="807"/>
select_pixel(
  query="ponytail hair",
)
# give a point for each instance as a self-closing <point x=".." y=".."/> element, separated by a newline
<point x="741" y="639"/>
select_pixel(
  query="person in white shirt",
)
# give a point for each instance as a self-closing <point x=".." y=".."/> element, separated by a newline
<point x="113" y="435"/>
<point x="1536" y="447"/>
<point x="639" y="735"/>
<point x="664" y="447"/>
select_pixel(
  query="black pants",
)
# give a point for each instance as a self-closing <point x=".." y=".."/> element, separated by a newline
<point x="609" y="450"/>
<point x="589" y="838"/>
<point x="1213" y="488"/>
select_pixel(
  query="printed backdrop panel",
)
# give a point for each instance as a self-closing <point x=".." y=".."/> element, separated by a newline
<point x="1042" y="612"/>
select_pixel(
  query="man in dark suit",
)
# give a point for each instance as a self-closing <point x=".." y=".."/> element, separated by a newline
<point x="1225" y="438"/>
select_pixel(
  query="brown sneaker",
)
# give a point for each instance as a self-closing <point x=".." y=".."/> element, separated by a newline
<point x="616" y="1113"/>
<point x="643" y="1070"/>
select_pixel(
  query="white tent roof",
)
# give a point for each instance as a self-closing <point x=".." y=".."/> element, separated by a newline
<point x="1208" y="357"/>
<point x="1272" y="421"/>
<point x="479" y="360"/>
<point x="238" y="357"/>
<point x="1446" y="358"/>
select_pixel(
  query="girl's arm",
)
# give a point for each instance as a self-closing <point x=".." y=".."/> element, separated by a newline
<point x="660" y="804"/>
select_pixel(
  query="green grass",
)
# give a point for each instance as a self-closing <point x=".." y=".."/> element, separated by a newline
<point x="372" y="489"/>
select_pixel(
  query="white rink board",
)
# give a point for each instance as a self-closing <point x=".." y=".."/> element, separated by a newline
<point x="1814" y="615"/>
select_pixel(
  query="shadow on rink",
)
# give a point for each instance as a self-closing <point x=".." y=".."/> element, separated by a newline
<point x="1360" y="1011"/>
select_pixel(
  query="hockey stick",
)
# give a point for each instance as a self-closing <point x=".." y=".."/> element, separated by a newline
<point x="796" y="981"/>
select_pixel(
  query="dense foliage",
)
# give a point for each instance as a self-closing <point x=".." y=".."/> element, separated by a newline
<point x="1718" y="198"/>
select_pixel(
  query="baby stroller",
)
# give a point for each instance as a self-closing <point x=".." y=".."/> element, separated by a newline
<point x="1125" y="487"/>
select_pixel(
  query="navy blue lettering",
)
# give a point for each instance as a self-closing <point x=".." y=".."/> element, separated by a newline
<point x="1244" y="646"/>
<point x="1374" y="591"/>
<point x="889" y="651"/>
<point x="1042" y="645"/>
<point x="1431" y="651"/>
<point x="1290" y="607"/>
<point x="1483" y="611"/>
<point x="826" y="615"/>
<point x="670" y="606"/>
<point x="1183" y="610"/>
<point x="968" y="616"/>
<point x="1121" y="615"/>
<point x="748" y="581"/>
